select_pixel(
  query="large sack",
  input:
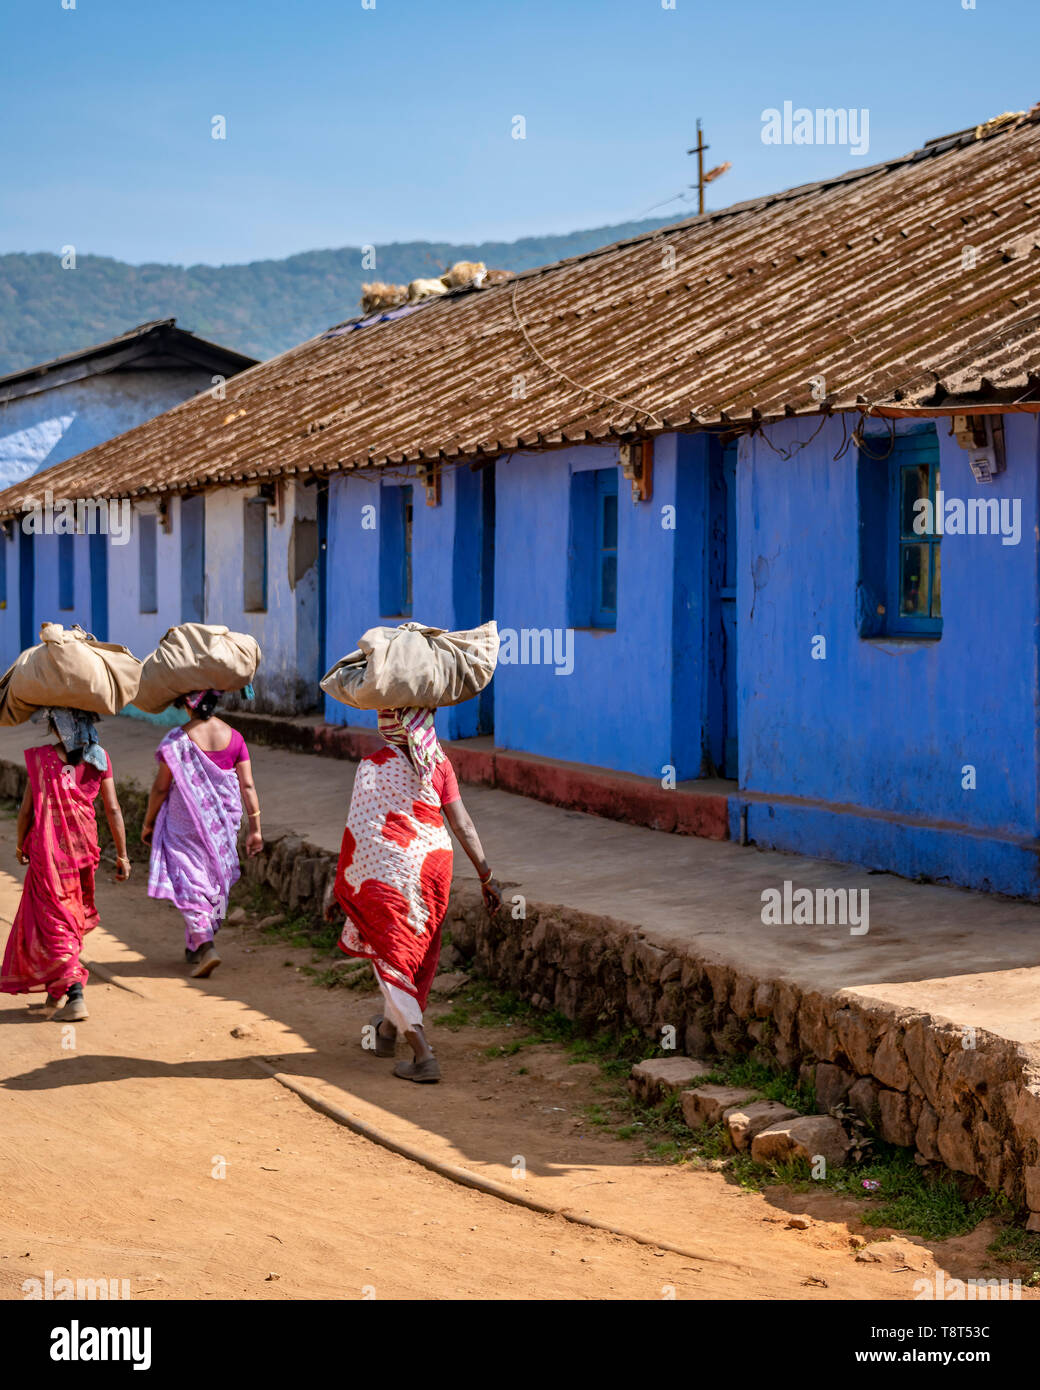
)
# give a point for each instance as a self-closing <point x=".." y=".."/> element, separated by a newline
<point x="196" y="656"/>
<point x="69" y="668"/>
<point x="414" y="665"/>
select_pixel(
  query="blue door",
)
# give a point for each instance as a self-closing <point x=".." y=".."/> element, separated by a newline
<point x="193" y="559"/>
<point x="728" y="603"/>
<point x="26" y="588"/>
<point x="99" y="586"/>
<point x="722" y="609"/>
<point x="486" y="698"/>
<point x="323" y="558"/>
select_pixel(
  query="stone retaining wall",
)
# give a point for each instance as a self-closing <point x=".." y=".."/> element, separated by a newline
<point x="967" y="1099"/>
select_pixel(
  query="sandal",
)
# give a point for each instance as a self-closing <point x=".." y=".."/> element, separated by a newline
<point x="419" y="1071"/>
<point x="385" y="1047"/>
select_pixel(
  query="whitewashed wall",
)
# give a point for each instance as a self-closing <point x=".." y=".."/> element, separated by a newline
<point x="126" y="623"/>
<point x="50" y="426"/>
<point x="288" y="630"/>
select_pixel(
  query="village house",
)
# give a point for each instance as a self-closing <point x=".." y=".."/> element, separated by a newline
<point x="55" y="411"/>
<point x="696" y="478"/>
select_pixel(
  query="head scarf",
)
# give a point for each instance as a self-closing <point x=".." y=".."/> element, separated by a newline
<point x="412" y="730"/>
<point x="202" y="702"/>
<point x="75" y="728"/>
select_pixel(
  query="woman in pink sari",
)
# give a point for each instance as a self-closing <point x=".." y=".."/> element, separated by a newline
<point x="192" y="821"/>
<point x="57" y="840"/>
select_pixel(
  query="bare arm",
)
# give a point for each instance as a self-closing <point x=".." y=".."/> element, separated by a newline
<point x="25" y="820"/>
<point x="465" y="832"/>
<point x="254" y="839"/>
<point x="114" y="816"/>
<point x="160" y="790"/>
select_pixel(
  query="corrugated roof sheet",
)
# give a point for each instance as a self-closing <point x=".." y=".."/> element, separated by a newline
<point x="906" y="283"/>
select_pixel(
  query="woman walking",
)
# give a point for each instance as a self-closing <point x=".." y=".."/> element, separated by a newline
<point x="192" y="822"/>
<point x="394" y="875"/>
<point x="57" y="840"/>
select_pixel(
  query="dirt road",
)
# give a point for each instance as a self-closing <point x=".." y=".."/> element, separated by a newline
<point x="147" y="1145"/>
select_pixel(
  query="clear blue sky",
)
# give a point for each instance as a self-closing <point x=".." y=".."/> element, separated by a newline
<point x="349" y="125"/>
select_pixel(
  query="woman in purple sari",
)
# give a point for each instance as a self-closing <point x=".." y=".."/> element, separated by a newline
<point x="192" y="822"/>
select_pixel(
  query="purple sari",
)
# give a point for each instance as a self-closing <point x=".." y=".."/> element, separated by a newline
<point x="195" y="843"/>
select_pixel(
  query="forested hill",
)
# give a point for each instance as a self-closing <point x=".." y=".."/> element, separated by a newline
<point x="261" y="308"/>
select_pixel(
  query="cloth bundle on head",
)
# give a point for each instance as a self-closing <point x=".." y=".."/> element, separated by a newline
<point x="414" y="667"/>
<point x="412" y="730"/>
<point x="75" y="728"/>
<point x="69" y="669"/>
<point x="195" y="657"/>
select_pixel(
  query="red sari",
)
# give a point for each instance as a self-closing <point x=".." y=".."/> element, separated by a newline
<point x="394" y="875"/>
<point x="57" y="907"/>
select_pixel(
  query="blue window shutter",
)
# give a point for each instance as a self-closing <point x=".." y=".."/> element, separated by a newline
<point x="66" y="572"/>
<point x="592" y="549"/>
<point x="605" y="575"/>
<point x="914" y="458"/>
<point x="893" y="560"/>
<point x="581" y="547"/>
<point x="254" y="555"/>
<point x="149" y="588"/>
<point x="395" y="551"/>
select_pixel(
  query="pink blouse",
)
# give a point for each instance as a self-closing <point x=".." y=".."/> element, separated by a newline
<point x="236" y="752"/>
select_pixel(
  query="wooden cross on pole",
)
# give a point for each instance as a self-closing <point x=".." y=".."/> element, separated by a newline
<point x="702" y="177"/>
<point x="698" y="150"/>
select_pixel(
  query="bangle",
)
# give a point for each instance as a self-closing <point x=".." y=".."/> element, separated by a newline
<point x="254" y="815"/>
<point x="485" y="881"/>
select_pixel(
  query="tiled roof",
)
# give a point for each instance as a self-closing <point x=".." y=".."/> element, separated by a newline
<point x="914" y="282"/>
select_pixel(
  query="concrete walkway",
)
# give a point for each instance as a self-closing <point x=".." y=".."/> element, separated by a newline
<point x="966" y="957"/>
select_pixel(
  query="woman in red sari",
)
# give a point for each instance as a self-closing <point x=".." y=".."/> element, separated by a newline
<point x="394" y="876"/>
<point x="57" y="839"/>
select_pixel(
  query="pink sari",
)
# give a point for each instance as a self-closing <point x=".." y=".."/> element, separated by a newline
<point x="195" y="843"/>
<point x="57" y="906"/>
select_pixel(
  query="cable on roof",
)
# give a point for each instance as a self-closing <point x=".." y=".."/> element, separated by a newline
<point x="588" y="390"/>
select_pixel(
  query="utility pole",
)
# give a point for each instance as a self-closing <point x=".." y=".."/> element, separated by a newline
<point x="698" y="150"/>
<point x="702" y="177"/>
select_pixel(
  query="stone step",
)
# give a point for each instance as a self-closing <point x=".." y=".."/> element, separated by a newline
<point x="659" y="1077"/>
<point x="806" y="1138"/>
<point x="705" y="1105"/>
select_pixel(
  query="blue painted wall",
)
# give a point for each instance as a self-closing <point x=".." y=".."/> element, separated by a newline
<point x="446" y="543"/>
<point x="635" y="700"/>
<point x="884" y="724"/>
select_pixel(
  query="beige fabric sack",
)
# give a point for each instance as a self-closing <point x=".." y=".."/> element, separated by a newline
<point x="414" y="665"/>
<point x="69" y="668"/>
<point x="196" y="656"/>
